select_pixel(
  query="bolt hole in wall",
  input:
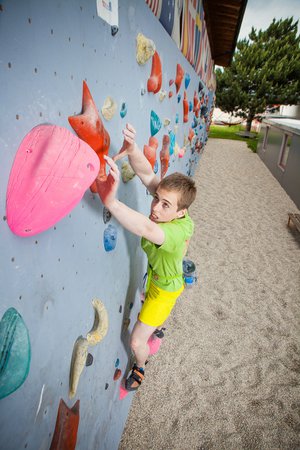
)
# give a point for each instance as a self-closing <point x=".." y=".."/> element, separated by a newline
<point x="86" y="254"/>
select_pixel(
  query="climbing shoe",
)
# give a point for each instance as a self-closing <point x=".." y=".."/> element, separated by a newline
<point x="135" y="379"/>
<point x="159" y="333"/>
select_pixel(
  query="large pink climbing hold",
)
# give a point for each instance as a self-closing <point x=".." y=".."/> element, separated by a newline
<point x="154" y="344"/>
<point x="51" y="172"/>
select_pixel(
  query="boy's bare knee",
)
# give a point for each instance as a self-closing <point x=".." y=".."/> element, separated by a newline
<point x="135" y="343"/>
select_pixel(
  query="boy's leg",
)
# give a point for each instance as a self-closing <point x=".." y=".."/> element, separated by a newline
<point x="138" y="342"/>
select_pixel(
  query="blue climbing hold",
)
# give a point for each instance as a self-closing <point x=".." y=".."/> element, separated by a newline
<point x="155" y="169"/>
<point x="172" y="142"/>
<point x="123" y="111"/>
<point x="177" y="118"/>
<point x="155" y="123"/>
<point x="178" y="98"/>
<point x="195" y="122"/>
<point x="15" y="352"/>
<point x="187" y="80"/>
<point x="110" y="237"/>
<point x="117" y="362"/>
<point x="190" y="106"/>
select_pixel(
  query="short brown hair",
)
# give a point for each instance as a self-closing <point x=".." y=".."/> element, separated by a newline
<point x="182" y="184"/>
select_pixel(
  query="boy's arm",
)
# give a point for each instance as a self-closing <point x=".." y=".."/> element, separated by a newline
<point x="131" y="220"/>
<point x="137" y="159"/>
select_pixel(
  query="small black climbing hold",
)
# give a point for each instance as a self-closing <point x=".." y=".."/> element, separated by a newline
<point x="106" y="386"/>
<point x="114" y="30"/>
<point x="200" y="87"/>
<point x="89" y="360"/>
<point x="106" y="215"/>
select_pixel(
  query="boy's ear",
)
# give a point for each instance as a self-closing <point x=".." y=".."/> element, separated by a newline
<point x="181" y="213"/>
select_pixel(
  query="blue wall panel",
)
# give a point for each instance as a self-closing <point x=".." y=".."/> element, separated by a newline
<point x="47" y="50"/>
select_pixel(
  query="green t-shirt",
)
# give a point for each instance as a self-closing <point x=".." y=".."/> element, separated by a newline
<point x="165" y="260"/>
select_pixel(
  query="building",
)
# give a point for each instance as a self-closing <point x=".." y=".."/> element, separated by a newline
<point x="279" y="149"/>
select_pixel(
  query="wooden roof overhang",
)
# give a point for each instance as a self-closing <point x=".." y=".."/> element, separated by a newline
<point x="223" y="21"/>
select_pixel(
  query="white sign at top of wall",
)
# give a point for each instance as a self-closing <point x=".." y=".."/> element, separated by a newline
<point x="108" y="11"/>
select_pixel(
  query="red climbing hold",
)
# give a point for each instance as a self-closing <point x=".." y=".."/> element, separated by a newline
<point x="165" y="155"/>
<point x="117" y="374"/>
<point x="191" y="134"/>
<point x="155" y="80"/>
<point x="179" y="77"/>
<point x="185" y="108"/>
<point x="90" y="128"/>
<point x="66" y="427"/>
<point x="196" y="108"/>
<point x="150" y="150"/>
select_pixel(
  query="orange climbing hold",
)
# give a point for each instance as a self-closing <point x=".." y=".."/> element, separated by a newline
<point x="196" y="108"/>
<point x="185" y="108"/>
<point x="155" y="80"/>
<point x="90" y="128"/>
<point x="117" y="374"/>
<point x="66" y="427"/>
<point x="179" y="77"/>
<point x="150" y="150"/>
<point x="164" y="155"/>
<point x="170" y="94"/>
<point x="191" y="134"/>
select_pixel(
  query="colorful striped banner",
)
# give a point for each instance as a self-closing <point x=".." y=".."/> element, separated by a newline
<point x="192" y="38"/>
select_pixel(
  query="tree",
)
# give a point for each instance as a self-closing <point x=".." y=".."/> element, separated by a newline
<point x="265" y="70"/>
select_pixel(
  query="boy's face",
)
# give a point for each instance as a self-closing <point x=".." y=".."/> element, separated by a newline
<point x="164" y="206"/>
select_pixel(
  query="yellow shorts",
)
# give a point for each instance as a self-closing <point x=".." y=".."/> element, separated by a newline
<point x="158" y="305"/>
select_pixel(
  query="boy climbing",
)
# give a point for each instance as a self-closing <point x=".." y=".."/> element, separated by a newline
<point x="165" y="236"/>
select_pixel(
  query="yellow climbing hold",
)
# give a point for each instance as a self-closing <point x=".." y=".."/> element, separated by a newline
<point x="109" y="108"/>
<point x="79" y="355"/>
<point x="100" y="327"/>
<point x="127" y="172"/>
<point x="145" y="49"/>
<point x="80" y="349"/>
<point x="162" y="95"/>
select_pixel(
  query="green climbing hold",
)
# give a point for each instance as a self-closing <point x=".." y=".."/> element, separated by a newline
<point x="15" y="352"/>
<point x="155" y="123"/>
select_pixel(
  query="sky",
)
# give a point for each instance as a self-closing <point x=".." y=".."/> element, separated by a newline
<point x="260" y="13"/>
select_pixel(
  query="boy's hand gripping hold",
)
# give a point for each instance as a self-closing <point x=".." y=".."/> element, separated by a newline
<point x="128" y="143"/>
<point x="107" y="190"/>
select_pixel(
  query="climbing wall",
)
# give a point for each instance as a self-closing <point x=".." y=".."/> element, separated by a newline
<point x="61" y="287"/>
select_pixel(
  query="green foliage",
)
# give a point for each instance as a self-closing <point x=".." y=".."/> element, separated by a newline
<point x="230" y="132"/>
<point x="265" y="70"/>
